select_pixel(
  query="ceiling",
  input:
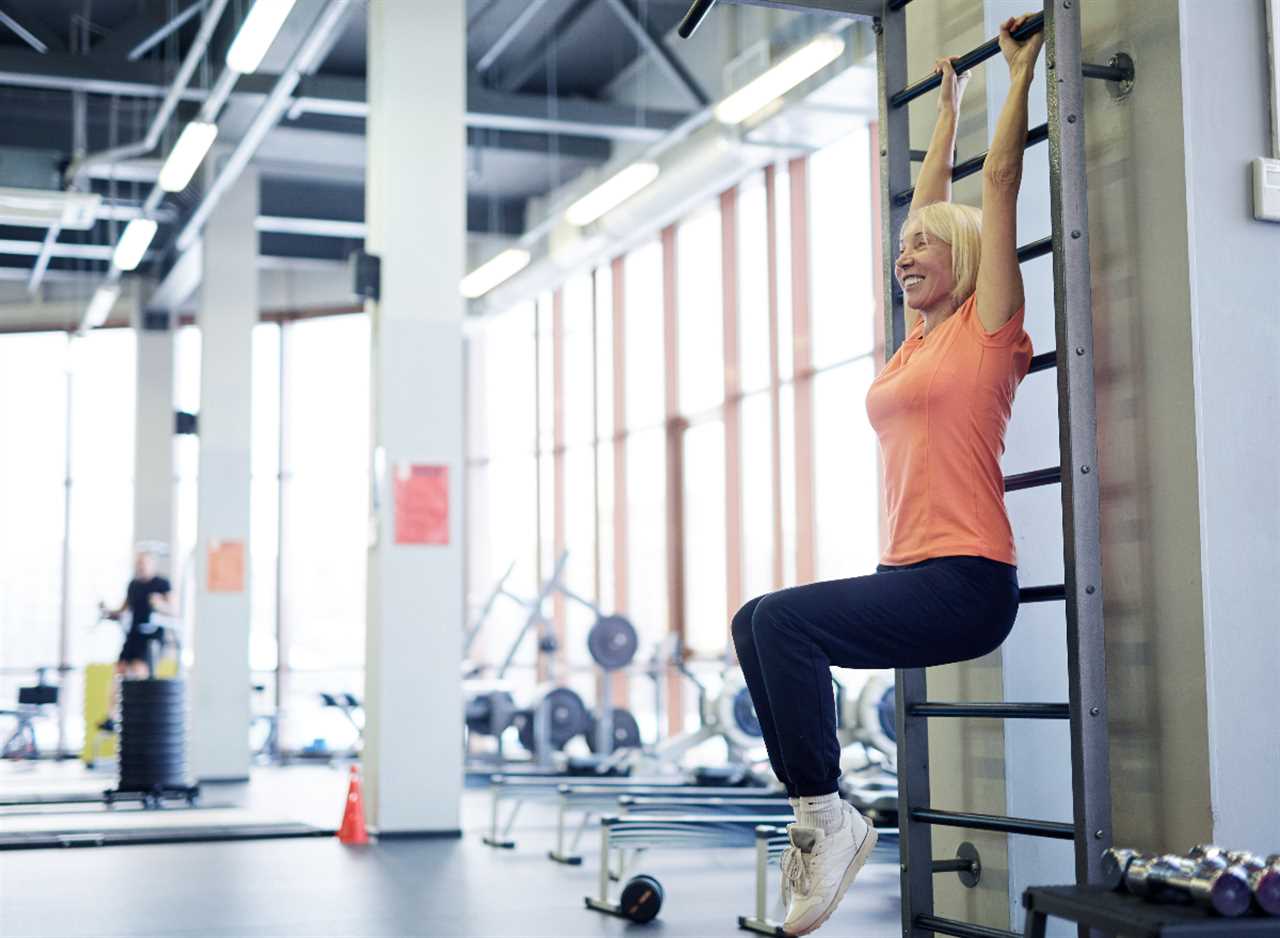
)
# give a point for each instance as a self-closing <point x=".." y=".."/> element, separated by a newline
<point x="522" y="54"/>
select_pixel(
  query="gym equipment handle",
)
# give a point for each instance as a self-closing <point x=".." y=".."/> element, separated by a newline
<point x="965" y="62"/>
<point x="694" y="17"/>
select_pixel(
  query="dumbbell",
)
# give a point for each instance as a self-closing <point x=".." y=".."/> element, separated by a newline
<point x="641" y="899"/>
<point x="1115" y="863"/>
<point x="1207" y="882"/>
<point x="1263" y="874"/>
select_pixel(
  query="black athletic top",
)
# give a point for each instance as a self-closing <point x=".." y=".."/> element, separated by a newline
<point x="139" y="598"/>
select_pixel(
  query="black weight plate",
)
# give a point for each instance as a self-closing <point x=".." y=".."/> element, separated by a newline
<point x="160" y="690"/>
<point x="490" y="713"/>
<point x="744" y="714"/>
<point x="641" y="899"/>
<point x="613" y="642"/>
<point x="626" y="731"/>
<point x="568" y="713"/>
<point x="886" y="709"/>
<point x="157" y="771"/>
<point x="154" y="740"/>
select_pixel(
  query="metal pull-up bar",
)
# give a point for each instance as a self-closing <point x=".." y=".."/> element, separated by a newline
<point x="694" y="17"/>
<point x="965" y="62"/>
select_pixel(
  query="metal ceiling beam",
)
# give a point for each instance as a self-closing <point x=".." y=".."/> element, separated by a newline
<point x="18" y="16"/>
<point x="340" y="96"/>
<point x="152" y="26"/>
<point x="536" y="58"/>
<point x="863" y="8"/>
<point x="666" y="60"/>
<point x="83" y="252"/>
<point x="508" y="36"/>
<point x="23" y="33"/>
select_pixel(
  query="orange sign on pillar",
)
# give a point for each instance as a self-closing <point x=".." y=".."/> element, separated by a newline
<point x="226" y="567"/>
<point x="421" y="504"/>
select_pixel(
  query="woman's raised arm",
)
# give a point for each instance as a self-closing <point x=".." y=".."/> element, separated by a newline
<point x="934" y="182"/>
<point x="999" y="289"/>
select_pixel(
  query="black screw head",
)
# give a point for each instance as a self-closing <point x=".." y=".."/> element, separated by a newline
<point x="1075" y="234"/>
<point x="1085" y="470"/>
<point x="1079" y="349"/>
<point x="1071" y="118"/>
<point x="1090" y="590"/>
<point x="1094" y="711"/>
<point x="1097" y="835"/>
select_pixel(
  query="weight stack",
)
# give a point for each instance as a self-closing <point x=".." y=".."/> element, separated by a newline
<point x="153" y="735"/>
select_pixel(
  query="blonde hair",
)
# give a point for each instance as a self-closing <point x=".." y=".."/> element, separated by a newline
<point x="960" y="226"/>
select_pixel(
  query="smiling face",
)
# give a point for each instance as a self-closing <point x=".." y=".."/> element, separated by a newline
<point x="924" y="268"/>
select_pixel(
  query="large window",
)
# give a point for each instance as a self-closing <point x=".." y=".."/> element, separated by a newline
<point x="57" y="392"/>
<point x="324" y="500"/>
<point x="799" y="434"/>
<point x="33" y="407"/>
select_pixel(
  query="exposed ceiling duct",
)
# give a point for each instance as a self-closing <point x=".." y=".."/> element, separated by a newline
<point x="710" y="158"/>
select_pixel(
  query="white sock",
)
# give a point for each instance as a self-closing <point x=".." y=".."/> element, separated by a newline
<point x="824" y="812"/>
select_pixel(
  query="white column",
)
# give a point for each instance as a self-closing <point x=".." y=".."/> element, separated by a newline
<point x="417" y="225"/>
<point x="219" y="693"/>
<point x="153" y="503"/>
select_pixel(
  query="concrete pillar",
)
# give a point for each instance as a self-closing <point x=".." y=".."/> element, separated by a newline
<point x="228" y="311"/>
<point x="417" y="225"/>
<point x="153" y="503"/>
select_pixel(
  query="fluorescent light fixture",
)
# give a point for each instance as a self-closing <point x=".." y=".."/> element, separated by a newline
<point x="104" y="300"/>
<point x="611" y="193"/>
<point x="193" y="143"/>
<point x="778" y="80"/>
<point x="133" y="243"/>
<point x="257" y="32"/>
<point x="493" y="272"/>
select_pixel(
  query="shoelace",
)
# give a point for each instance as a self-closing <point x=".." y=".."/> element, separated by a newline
<point x="796" y="870"/>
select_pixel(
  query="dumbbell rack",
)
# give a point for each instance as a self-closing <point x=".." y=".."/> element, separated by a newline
<point x="1090" y="828"/>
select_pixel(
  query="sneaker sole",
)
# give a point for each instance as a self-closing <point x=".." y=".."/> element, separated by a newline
<point x="855" y="866"/>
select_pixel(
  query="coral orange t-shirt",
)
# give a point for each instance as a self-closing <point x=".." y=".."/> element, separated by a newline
<point x="940" y="409"/>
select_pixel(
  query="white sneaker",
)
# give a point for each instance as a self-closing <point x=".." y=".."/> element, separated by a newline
<point x="822" y="868"/>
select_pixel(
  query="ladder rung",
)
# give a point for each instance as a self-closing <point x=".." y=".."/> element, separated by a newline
<point x="950" y="926"/>
<point x="1041" y="594"/>
<point x="965" y="62"/>
<point x="917" y="156"/>
<point x="994" y="822"/>
<point x="1043" y="362"/>
<point x="969" y="167"/>
<point x="898" y="4"/>
<point x="1033" y="479"/>
<point x="1035" y="249"/>
<point x="1006" y="711"/>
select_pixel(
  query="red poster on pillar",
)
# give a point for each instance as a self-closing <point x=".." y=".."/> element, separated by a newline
<point x="421" y="504"/>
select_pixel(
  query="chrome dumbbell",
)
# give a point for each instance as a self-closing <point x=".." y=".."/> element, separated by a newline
<point x="1210" y="881"/>
<point x="1263" y="875"/>
<point x="1115" y="863"/>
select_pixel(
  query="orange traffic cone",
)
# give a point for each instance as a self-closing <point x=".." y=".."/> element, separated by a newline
<point x="353" y="830"/>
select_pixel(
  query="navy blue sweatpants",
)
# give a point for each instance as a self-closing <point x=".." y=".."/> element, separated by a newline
<point x="935" y="612"/>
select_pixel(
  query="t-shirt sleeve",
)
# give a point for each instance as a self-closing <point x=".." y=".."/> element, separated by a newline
<point x="161" y="585"/>
<point x="1006" y="335"/>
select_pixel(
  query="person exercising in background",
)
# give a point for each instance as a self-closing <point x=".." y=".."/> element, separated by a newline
<point x="946" y="589"/>
<point x="147" y="593"/>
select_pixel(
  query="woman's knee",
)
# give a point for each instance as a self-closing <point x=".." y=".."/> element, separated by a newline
<point x="741" y="625"/>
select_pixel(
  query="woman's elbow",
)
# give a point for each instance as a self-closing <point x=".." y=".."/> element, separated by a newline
<point x="1003" y="176"/>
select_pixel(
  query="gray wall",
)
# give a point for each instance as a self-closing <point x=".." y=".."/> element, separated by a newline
<point x="1235" y="323"/>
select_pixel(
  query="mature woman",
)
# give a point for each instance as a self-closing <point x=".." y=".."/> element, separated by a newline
<point x="947" y="589"/>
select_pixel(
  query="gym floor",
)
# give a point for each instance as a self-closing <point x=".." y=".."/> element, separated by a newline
<point x="438" y="888"/>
